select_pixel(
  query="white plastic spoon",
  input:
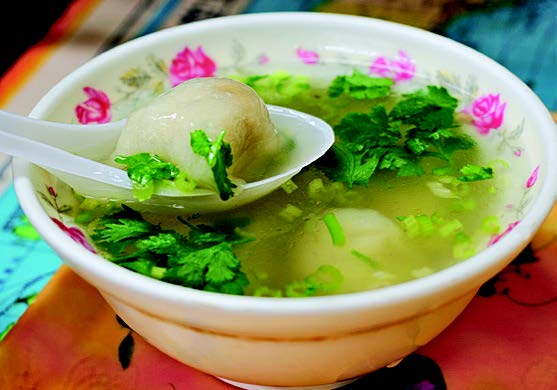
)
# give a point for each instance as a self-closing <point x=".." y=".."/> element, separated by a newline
<point x="69" y="152"/>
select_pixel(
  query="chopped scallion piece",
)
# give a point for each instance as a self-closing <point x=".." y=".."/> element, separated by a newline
<point x="368" y="260"/>
<point x="315" y="187"/>
<point x="158" y="272"/>
<point x="451" y="228"/>
<point x="289" y="186"/>
<point x="335" y="229"/>
<point x="265" y="291"/>
<point x="490" y="225"/>
<point x="463" y="247"/>
<point x="290" y="212"/>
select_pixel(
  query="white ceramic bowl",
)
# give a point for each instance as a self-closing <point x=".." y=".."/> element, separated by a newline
<point x="317" y="340"/>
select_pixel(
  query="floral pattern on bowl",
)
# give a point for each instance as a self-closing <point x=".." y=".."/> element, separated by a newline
<point x="143" y="82"/>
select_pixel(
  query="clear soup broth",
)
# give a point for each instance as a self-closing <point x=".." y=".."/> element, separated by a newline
<point x="320" y="235"/>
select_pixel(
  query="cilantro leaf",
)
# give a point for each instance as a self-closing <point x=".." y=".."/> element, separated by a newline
<point x="115" y="232"/>
<point x="124" y="229"/>
<point x="223" y="265"/>
<point x="428" y="109"/>
<point x="473" y="172"/>
<point x="279" y="87"/>
<point x="400" y="160"/>
<point x="144" y="170"/>
<point x="187" y="270"/>
<point x="360" y="86"/>
<point x="352" y="168"/>
<point x="454" y="143"/>
<point x="218" y="155"/>
<point x="363" y="131"/>
<point x="222" y="230"/>
<point x="203" y="258"/>
<point x="440" y="143"/>
<point x="363" y="140"/>
<point x="161" y="243"/>
<point x="214" y="265"/>
<point x="421" y="124"/>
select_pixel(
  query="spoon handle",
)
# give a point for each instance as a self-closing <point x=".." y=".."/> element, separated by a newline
<point x="85" y="140"/>
<point x="50" y="157"/>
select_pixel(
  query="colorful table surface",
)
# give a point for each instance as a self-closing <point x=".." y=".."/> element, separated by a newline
<point x="505" y="339"/>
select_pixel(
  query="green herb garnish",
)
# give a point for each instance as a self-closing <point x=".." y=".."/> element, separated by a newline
<point x="335" y="229"/>
<point x="145" y="170"/>
<point x="202" y="259"/>
<point x="365" y="143"/>
<point x="420" y="125"/>
<point x="360" y="86"/>
<point x="473" y="172"/>
<point x="148" y="171"/>
<point x="219" y="157"/>
<point x="325" y="280"/>
<point x="279" y="87"/>
<point x="431" y="108"/>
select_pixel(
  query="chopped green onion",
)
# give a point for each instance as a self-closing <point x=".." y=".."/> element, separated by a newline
<point x="374" y="264"/>
<point x="90" y="204"/>
<point x="85" y="217"/>
<point x="418" y="225"/>
<point x="335" y="229"/>
<point x="183" y="182"/>
<point x="326" y="279"/>
<point x="463" y="205"/>
<point x="299" y="289"/>
<point x="490" y="225"/>
<point x="421" y="272"/>
<point x="440" y="190"/>
<point x="451" y="228"/>
<point x="463" y="247"/>
<point x="315" y="187"/>
<point x="265" y="291"/>
<point x="290" y="212"/>
<point x="158" y="272"/>
<point x="289" y="186"/>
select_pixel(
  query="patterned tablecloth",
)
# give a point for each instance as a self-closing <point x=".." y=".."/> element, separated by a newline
<point x="505" y="339"/>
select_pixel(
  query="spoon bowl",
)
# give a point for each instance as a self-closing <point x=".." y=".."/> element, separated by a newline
<point x="70" y="153"/>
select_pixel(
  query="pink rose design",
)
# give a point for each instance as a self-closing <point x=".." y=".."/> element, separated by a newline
<point x="381" y="67"/>
<point x="487" y="112"/>
<point x="52" y="192"/>
<point x="75" y="234"/>
<point x="533" y="177"/>
<point x="497" y="237"/>
<point x="307" y="56"/>
<point x="263" y="59"/>
<point x="189" y="64"/>
<point x="399" y="69"/>
<point x="96" y="109"/>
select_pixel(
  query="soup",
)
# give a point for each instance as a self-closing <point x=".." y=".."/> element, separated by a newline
<point x="411" y="199"/>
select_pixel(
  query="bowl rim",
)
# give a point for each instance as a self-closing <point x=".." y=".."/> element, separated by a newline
<point x="490" y="260"/>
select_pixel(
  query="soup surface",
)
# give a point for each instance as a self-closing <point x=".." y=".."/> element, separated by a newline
<point x="405" y="191"/>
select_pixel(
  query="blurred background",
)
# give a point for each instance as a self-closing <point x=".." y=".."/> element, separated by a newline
<point x="519" y="34"/>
